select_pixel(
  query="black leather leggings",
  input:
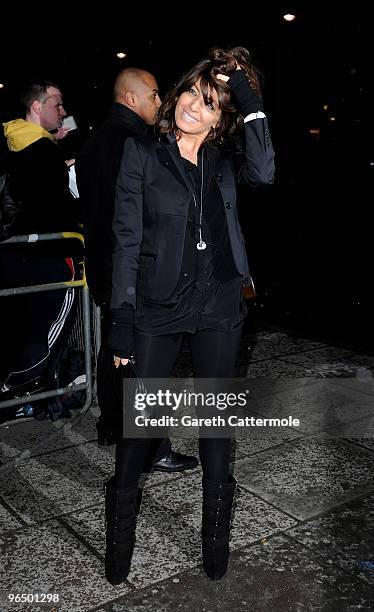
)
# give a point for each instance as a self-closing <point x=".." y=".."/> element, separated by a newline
<point x="213" y="356"/>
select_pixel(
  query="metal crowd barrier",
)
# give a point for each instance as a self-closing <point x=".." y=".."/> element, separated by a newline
<point x="84" y="335"/>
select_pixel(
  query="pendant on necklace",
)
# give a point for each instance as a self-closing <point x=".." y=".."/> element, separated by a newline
<point x="201" y="245"/>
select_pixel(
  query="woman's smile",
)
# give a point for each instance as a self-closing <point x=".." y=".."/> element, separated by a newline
<point x="188" y="117"/>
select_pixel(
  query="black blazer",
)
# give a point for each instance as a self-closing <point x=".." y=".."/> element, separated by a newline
<point x="152" y="202"/>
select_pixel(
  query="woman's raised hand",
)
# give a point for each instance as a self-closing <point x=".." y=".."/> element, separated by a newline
<point x="224" y="77"/>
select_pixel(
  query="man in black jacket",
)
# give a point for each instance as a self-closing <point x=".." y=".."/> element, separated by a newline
<point x="136" y="101"/>
<point x="39" y="174"/>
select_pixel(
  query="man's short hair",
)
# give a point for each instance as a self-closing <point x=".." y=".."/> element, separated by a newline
<point x="35" y="90"/>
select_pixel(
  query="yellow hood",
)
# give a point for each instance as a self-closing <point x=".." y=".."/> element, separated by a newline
<point x="20" y="134"/>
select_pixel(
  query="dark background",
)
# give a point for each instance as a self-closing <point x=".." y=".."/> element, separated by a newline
<point x="310" y="236"/>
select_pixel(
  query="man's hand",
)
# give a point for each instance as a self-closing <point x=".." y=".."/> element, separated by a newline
<point x="61" y="133"/>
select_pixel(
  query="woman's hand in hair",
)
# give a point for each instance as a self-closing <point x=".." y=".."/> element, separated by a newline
<point x="225" y="78"/>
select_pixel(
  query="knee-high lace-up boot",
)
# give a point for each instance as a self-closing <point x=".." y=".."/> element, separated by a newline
<point x="217" y="504"/>
<point x="121" y="508"/>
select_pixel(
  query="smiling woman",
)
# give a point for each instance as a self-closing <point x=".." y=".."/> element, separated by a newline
<point x="176" y="207"/>
<point x="196" y="113"/>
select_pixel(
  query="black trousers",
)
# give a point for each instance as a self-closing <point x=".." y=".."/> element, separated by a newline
<point x="213" y="356"/>
<point x="110" y="393"/>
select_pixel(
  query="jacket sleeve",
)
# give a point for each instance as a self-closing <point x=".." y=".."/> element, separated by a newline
<point x="258" y="167"/>
<point x="257" y="160"/>
<point x="127" y="227"/>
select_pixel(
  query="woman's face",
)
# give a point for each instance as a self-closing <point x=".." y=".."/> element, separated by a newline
<point x="193" y="115"/>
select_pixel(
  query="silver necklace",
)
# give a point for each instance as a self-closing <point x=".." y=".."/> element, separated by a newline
<point x="201" y="245"/>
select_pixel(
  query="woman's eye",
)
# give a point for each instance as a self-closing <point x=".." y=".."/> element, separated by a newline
<point x="191" y="90"/>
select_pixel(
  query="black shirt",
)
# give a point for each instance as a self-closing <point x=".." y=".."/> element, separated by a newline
<point x="208" y="294"/>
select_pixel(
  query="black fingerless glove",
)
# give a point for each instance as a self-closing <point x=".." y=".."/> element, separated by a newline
<point x="120" y="338"/>
<point x="246" y="98"/>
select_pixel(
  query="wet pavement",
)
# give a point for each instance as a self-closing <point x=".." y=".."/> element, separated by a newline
<point x="303" y="536"/>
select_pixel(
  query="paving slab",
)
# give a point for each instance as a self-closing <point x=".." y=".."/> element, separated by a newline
<point x="48" y="559"/>
<point x="266" y="345"/>
<point x="253" y="517"/>
<point x="320" y="406"/>
<point x="307" y="477"/>
<point x="329" y="361"/>
<point x="62" y="482"/>
<point x="280" y="576"/>
<point x="36" y="437"/>
<point x="7" y="521"/>
<point x="344" y="536"/>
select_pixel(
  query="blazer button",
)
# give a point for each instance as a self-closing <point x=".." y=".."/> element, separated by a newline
<point x="228" y="205"/>
<point x="219" y="177"/>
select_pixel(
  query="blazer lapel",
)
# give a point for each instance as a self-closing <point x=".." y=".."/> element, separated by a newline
<point x="212" y="153"/>
<point x="170" y="157"/>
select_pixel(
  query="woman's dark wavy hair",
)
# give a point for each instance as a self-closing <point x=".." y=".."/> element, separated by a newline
<point x="220" y="61"/>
